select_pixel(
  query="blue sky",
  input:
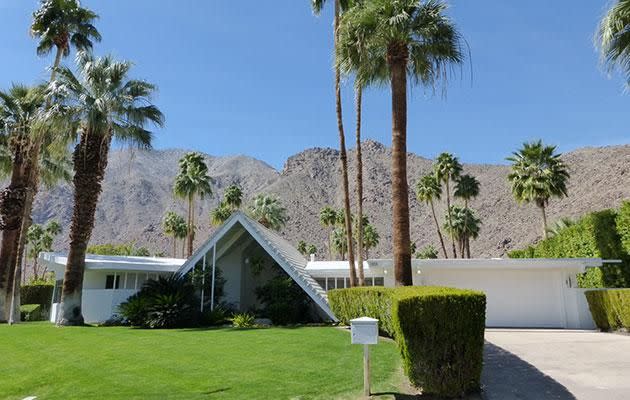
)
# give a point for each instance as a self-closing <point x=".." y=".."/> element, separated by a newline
<point x="237" y="78"/>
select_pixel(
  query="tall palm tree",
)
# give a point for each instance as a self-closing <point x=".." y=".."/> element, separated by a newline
<point x="415" y="39"/>
<point x="59" y="25"/>
<point x="538" y="174"/>
<point x="464" y="226"/>
<point x="220" y="214"/>
<point x="613" y="38"/>
<point x="181" y="233"/>
<point x="268" y="211"/>
<point x="340" y="5"/>
<point x="19" y="108"/>
<point x="447" y="169"/>
<point x="428" y="188"/>
<point x="171" y="224"/>
<point x="191" y="182"/>
<point x="466" y="188"/>
<point x="101" y="104"/>
<point x="339" y="242"/>
<point x="328" y="218"/>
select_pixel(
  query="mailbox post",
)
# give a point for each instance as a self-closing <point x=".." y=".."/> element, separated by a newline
<point x="364" y="331"/>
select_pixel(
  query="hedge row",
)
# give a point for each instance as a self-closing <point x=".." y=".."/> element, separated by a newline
<point x="439" y="331"/>
<point x="37" y="294"/>
<point x="595" y="235"/>
<point x="610" y="308"/>
<point x="623" y="225"/>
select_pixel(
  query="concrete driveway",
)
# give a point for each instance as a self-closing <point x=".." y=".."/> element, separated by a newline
<point x="555" y="364"/>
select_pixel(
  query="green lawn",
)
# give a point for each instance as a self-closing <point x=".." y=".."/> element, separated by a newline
<point x="38" y="359"/>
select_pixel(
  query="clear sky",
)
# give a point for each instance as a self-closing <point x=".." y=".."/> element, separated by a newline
<point x="255" y="78"/>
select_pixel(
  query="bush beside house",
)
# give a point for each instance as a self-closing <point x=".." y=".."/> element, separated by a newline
<point x="610" y="308"/>
<point x="439" y="331"/>
<point x="598" y="234"/>
<point x="36" y="300"/>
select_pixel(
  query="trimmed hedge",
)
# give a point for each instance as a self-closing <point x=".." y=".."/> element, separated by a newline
<point x="32" y="312"/>
<point x="439" y="331"/>
<point x="36" y="294"/>
<point x="623" y="225"/>
<point x="594" y="235"/>
<point x="610" y="308"/>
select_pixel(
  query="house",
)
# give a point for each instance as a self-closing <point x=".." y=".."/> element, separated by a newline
<point x="241" y="254"/>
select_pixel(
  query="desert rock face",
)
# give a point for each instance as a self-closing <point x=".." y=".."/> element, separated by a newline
<point x="138" y="184"/>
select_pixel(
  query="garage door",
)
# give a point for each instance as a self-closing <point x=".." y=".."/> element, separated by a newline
<point x="515" y="298"/>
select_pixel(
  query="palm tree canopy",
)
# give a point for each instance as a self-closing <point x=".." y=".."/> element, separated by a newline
<point x="447" y="167"/>
<point x="538" y="173"/>
<point x="327" y="216"/>
<point x="370" y="236"/>
<point x="169" y="222"/>
<point x="19" y="110"/>
<point x="465" y="223"/>
<point x="318" y="5"/>
<point x="220" y="214"/>
<point x="428" y="189"/>
<point x="192" y="179"/>
<point x="102" y="100"/>
<point x="233" y="196"/>
<point x="613" y="37"/>
<point x="467" y="187"/>
<point x="59" y="23"/>
<point x="268" y="211"/>
<point x="416" y="31"/>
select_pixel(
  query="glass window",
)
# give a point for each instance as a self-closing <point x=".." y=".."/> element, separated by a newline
<point x="112" y="282"/>
<point x="369" y="281"/>
<point x="379" y="281"/>
<point x="142" y="278"/>
<point x="340" y="283"/>
<point x="130" y="280"/>
<point x="321" y="282"/>
<point x="331" y="283"/>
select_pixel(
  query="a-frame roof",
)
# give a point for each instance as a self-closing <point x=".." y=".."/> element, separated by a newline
<point x="283" y="253"/>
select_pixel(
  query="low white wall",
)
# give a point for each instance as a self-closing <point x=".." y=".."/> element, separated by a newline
<point x="98" y="305"/>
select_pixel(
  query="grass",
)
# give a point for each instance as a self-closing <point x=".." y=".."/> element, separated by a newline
<point x="41" y="360"/>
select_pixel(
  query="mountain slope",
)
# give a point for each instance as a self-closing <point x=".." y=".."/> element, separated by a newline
<point x="137" y="192"/>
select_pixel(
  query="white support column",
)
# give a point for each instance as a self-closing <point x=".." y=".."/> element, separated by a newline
<point x="203" y="281"/>
<point x="115" y="282"/>
<point x="125" y="284"/>
<point x="214" y="264"/>
<point x="135" y="284"/>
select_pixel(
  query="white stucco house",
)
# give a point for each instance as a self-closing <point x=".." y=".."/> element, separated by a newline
<point x="527" y="293"/>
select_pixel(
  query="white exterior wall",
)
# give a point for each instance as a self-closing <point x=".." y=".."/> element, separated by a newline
<point x="231" y="267"/>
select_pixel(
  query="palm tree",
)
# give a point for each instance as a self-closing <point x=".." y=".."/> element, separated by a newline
<point x="416" y="39"/>
<point x="59" y="25"/>
<point x="181" y="233"/>
<point x="301" y="247"/>
<point x="339" y="242"/>
<point x="613" y="38"/>
<point x="317" y="6"/>
<point x="466" y="188"/>
<point x="538" y="173"/>
<point x="559" y="226"/>
<point x="464" y="226"/>
<point x="233" y="197"/>
<point x="192" y="182"/>
<point x="447" y="169"/>
<point x="40" y="238"/>
<point x="370" y="239"/>
<point x="19" y="108"/>
<point x="268" y="211"/>
<point x="428" y="188"/>
<point x="101" y="104"/>
<point x="328" y="218"/>
<point x="171" y="224"/>
<point x="220" y="214"/>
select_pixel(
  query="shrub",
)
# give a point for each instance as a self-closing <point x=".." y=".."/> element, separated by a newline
<point x="439" y="331"/>
<point x="284" y="301"/>
<point x="32" y="312"/>
<point x="623" y="225"/>
<point x="594" y="235"/>
<point x="37" y="294"/>
<point x="610" y="308"/>
<point x="163" y="303"/>
<point x="243" y="320"/>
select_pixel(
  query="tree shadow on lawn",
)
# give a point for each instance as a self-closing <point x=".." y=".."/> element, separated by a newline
<point x="505" y="376"/>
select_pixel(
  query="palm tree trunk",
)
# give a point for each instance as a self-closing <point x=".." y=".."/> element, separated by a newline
<point x="544" y="219"/>
<point x="359" y="95"/>
<point x="191" y="226"/>
<point x="448" y="213"/>
<point x="439" y="232"/>
<point x="397" y="58"/>
<point x="174" y="246"/>
<point x="90" y="162"/>
<point x="330" y="245"/>
<point x="468" y="247"/>
<point x="12" y="202"/>
<point x="343" y="155"/>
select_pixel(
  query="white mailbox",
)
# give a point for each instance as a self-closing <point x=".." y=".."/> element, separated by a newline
<point x="364" y="330"/>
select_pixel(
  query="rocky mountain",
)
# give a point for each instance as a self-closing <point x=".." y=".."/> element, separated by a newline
<point x="137" y="192"/>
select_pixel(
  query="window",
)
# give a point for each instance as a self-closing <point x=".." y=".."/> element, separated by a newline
<point x="340" y="283"/>
<point x="130" y="281"/>
<point x="369" y="281"/>
<point x="112" y="282"/>
<point x="321" y="282"/>
<point x="379" y="281"/>
<point x="331" y="283"/>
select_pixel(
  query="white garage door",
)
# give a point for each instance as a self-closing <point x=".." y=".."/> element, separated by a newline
<point x="515" y="298"/>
